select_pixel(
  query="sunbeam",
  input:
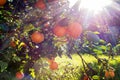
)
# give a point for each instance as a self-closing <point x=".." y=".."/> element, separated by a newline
<point x="100" y="12"/>
<point x="92" y="5"/>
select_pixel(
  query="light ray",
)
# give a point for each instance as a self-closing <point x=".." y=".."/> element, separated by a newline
<point x="102" y="12"/>
<point x="92" y="5"/>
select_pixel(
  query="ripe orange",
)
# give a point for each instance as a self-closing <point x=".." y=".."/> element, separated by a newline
<point x="86" y="77"/>
<point x="111" y="73"/>
<point x="19" y="75"/>
<point x="12" y="44"/>
<point x="37" y="37"/>
<point x="2" y="2"/>
<point x="40" y="4"/>
<point x="74" y="30"/>
<point x="53" y="66"/>
<point x="107" y="74"/>
<point x="59" y="31"/>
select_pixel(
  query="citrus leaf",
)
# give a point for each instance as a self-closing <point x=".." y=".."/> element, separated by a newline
<point x="3" y="66"/>
<point x="28" y="28"/>
<point x="95" y="77"/>
<point x="16" y="58"/>
<point x="103" y="47"/>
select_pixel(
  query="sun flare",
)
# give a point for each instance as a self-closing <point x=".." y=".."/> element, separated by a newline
<point x="92" y="5"/>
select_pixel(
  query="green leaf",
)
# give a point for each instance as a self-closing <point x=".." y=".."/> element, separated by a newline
<point x="95" y="50"/>
<point x="3" y="66"/>
<point x="103" y="47"/>
<point x="28" y="28"/>
<point x="102" y="41"/>
<point x="99" y="52"/>
<point x="95" y="77"/>
<point x="27" y="56"/>
<point x="7" y="76"/>
<point x="16" y="58"/>
<point x="117" y="46"/>
<point x="0" y="12"/>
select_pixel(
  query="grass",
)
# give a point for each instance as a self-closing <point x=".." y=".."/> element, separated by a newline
<point x="69" y="69"/>
<point x="76" y="60"/>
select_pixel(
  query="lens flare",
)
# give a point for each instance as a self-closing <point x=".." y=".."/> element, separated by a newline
<point x="97" y="12"/>
<point x="91" y="5"/>
<point x="95" y="5"/>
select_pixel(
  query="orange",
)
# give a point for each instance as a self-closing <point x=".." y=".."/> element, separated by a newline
<point x="37" y="37"/>
<point x="19" y="75"/>
<point x="40" y="4"/>
<point x="59" y="31"/>
<point x="53" y="66"/>
<point x="74" y="29"/>
<point x="107" y="74"/>
<point x="86" y="77"/>
<point x="12" y="44"/>
<point x="111" y="73"/>
<point x="2" y="2"/>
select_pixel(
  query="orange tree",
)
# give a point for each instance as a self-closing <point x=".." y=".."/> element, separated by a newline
<point x="33" y="29"/>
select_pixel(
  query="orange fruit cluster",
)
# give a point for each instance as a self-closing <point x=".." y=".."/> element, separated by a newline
<point x="109" y="73"/>
<point x="74" y="30"/>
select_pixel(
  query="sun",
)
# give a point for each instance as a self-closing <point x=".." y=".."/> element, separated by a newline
<point x="92" y="5"/>
<point x="95" y="5"/>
